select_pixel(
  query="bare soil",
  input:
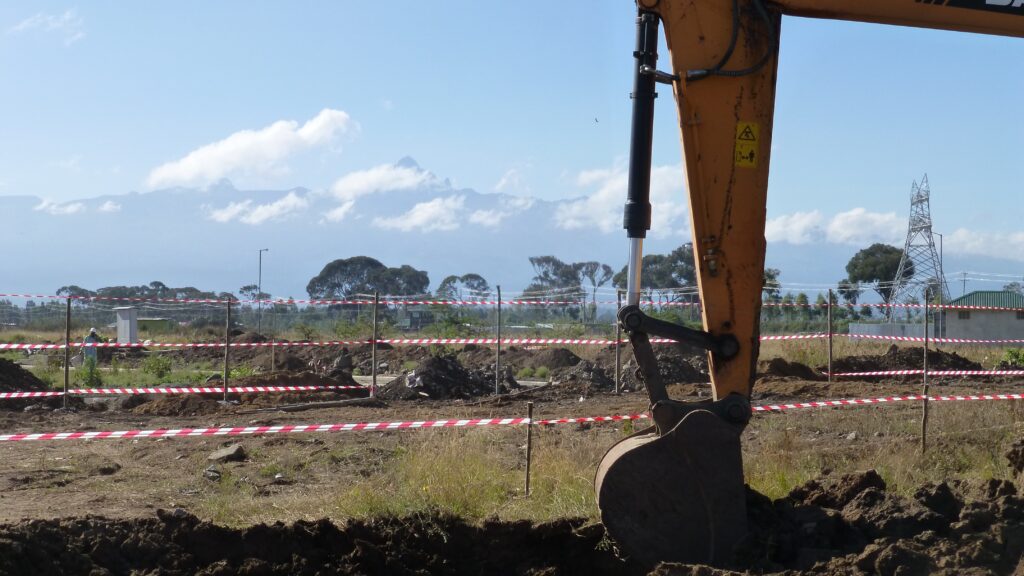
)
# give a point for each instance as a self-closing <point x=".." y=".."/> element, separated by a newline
<point x="134" y="506"/>
<point x="897" y="358"/>
<point x="830" y="526"/>
<point x="14" y="378"/>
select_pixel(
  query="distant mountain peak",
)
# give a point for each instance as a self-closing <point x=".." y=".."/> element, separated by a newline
<point x="222" y="184"/>
<point x="408" y="162"/>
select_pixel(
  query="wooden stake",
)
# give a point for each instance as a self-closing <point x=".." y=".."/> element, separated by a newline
<point x="830" y="330"/>
<point x="618" y="343"/>
<point x="373" y="348"/>
<point x="924" y="375"/>
<point x="497" y="353"/>
<point x="529" y="443"/>
<point x="227" y="347"/>
<point x="67" y="352"/>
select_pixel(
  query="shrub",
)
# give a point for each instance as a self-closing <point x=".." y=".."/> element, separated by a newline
<point x="524" y="374"/>
<point x="90" y="374"/>
<point x="1014" y="357"/>
<point x="307" y="332"/>
<point x="157" y="366"/>
<point x="542" y="372"/>
<point x="241" y="372"/>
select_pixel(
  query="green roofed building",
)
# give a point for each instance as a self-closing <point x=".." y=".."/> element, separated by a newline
<point x="986" y="315"/>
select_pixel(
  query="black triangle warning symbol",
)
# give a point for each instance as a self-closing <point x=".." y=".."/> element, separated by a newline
<point x="747" y="134"/>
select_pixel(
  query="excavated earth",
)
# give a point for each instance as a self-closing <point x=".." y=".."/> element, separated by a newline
<point x="897" y="358"/>
<point x="833" y="525"/>
<point x="847" y="525"/>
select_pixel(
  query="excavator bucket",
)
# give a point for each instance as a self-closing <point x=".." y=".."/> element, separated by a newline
<point x="676" y="492"/>
<point x="678" y="496"/>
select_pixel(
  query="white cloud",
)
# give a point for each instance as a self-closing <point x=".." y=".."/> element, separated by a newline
<point x="511" y="179"/>
<point x="275" y="210"/>
<point x="376" y="180"/>
<point x="854" y="227"/>
<point x="858" y="226"/>
<point x="255" y="214"/>
<point x="1009" y="245"/>
<point x="110" y="206"/>
<point x="338" y="214"/>
<point x="796" y="228"/>
<point x="439" y="214"/>
<point x="68" y="24"/>
<point x="487" y="218"/>
<point x="603" y="208"/>
<point x="230" y="212"/>
<point x="248" y="152"/>
<point x="51" y="207"/>
<point x="383" y="178"/>
<point x="508" y="206"/>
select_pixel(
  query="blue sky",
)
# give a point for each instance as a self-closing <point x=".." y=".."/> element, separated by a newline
<point x="528" y="98"/>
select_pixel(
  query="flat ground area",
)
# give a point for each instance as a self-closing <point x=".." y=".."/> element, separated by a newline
<point x="843" y="490"/>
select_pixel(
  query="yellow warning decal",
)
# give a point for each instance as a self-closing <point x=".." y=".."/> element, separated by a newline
<point x="747" y="136"/>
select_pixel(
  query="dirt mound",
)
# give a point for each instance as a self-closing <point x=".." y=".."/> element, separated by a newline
<point x="852" y="525"/>
<point x="846" y="525"/>
<point x="14" y="378"/>
<point x="897" y="358"/>
<point x="178" y="543"/>
<point x="178" y="405"/>
<point x="584" y="379"/>
<point x="552" y="358"/>
<point x="1016" y="457"/>
<point x="782" y="368"/>
<point x="305" y="378"/>
<point x="442" y="378"/>
<point x="677" y="365"/>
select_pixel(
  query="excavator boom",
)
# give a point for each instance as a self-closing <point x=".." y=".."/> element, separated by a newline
<point x="675" y="491"/>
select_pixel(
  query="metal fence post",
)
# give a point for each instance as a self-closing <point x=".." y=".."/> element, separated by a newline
<point x="67" y="351"/>
<point x="618" y="343"/>
<point x="497" y="353"/>
<point x="924" y="375"/>
<point x="529" y="443"/>
<point x="830" y="334"/>
<point x="373" y="347"/>
<point x="227" y="347"/>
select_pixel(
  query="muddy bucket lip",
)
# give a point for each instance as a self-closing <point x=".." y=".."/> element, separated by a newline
<point x="677" y="497"/>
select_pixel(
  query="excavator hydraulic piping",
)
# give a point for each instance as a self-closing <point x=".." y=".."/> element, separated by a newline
<point x="637" y="212"/>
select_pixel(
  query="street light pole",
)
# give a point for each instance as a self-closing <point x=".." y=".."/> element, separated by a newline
<point x="940" y="324"/>
<point x="259" y="294"/>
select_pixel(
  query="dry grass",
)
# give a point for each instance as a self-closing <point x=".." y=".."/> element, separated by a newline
<point x="479" y="473"/>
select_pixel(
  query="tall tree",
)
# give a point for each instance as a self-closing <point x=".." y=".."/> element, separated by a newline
<point x="249" y="291"/>
<point x="402" y="281"/>
<point x="458" y="287"/>
<point x="849" y="291"/>
<point x="1014" y="287"/>
<point x="550" y="273"/>
<point x="344" y="277"/>
<point x="598" y="274"/>
<point x="664" y="272"/>
<point x="878" y="264"/>
<point x="770" y="284"/>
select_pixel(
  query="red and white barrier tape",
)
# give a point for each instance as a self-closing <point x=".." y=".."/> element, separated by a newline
<point x="392" y="341"/>
<point x="934" y="373"/>
<point x="886" y="400"/>
<point x="174" y="390"/>
<point x="470" y="422"/>
<point x="934" y="340"/>
<point x="259" y="430"/>
<point x="30" y="394"/>
<point x="398" y="302"/>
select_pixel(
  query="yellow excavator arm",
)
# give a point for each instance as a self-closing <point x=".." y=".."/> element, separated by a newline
<point x="675" y="491"/>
